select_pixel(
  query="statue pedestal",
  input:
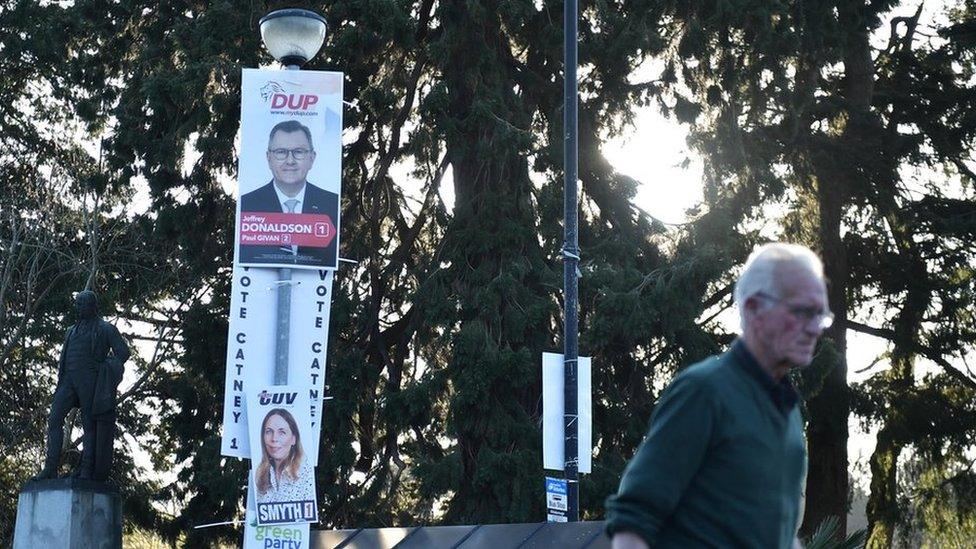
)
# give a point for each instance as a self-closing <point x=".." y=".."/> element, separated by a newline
<point x="68" y="513"/>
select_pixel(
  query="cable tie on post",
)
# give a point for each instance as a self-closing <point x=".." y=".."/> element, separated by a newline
<point x="570" y="255"/>
<point x="278" y="283"/>
<point x="228" y="522"/>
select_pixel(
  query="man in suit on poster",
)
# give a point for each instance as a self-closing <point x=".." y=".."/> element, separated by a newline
<point x="290" y="157"/>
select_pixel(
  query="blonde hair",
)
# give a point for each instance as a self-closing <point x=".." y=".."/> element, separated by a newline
<point x="288" y="466"/>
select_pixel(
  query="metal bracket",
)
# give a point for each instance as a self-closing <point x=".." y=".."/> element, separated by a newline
<point x="570" y="255"/>
<point x="279" y="283"/>
<point x="567" y="254"/>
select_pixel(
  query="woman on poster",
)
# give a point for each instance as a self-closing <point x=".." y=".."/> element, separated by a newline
<point x="283" y="474"/>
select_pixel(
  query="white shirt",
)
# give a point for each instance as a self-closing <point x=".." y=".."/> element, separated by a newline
<point x="282" y="198"/>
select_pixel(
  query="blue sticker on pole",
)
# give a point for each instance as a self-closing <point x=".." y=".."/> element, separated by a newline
<point x="557" y="501"/>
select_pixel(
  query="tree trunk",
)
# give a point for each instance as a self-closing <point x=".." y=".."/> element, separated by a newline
<point x="827" y="432"/>
<point x="882" y="506"/>
<point x="502" y="313"/>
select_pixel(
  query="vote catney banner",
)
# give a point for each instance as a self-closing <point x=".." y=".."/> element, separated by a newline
<point x="289" y="169"/>
<point x="251" y="347"/>
<point x="282" y="480"/>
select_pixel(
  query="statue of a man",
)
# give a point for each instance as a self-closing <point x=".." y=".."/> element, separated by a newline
<point x="89" y="372"/>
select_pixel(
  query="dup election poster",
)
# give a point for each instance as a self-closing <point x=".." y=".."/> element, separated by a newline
<point x="251" y="347"/>
<point x="289" y="169"/>
<point x="282" y="475"/>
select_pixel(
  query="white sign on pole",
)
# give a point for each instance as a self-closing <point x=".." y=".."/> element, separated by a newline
<point x="553" y="433"/>
<point x="251" y="347"/>
<point x="289" y="169"/>
<point x="282" y="475"/>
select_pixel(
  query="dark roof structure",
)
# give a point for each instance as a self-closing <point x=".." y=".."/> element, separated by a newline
<point x="562" y="535"/>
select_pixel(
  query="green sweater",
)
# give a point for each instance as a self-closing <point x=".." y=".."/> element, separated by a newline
<point x="722" y="465"/>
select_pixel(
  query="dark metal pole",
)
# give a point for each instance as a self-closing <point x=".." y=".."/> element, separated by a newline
<point x="570" y="263"/>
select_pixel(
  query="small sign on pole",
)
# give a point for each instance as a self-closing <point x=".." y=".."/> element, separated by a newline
<point x="282" y="475"/>
<point x="557" y="502"/>
<point x="289" y="169"/>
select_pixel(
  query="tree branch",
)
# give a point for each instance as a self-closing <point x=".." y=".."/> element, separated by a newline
<point x="921" y="350"/>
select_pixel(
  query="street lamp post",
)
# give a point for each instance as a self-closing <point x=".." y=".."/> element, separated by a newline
<point x="292" y="36"/>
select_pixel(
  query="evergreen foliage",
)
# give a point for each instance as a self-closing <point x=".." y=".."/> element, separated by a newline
<point x="825" y="537"/>
<point x="795" y="111"/>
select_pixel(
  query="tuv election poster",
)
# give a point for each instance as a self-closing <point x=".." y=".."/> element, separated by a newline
<point x="282" y="473"/>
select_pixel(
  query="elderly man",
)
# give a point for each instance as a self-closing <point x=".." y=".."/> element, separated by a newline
<point x="724" y="460"/>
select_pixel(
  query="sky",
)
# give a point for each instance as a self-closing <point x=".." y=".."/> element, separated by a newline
<point x="652" y="153"/>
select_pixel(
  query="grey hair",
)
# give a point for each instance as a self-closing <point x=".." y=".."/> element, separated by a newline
<point x="760" y="272"/>
<point x="291" y="126"/>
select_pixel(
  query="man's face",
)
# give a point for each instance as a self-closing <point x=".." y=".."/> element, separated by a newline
<point x="783" y="327"/>
<point x="289" y="170"/>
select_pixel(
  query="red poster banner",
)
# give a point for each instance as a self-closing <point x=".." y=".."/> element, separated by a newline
<point x="286" y="229"/>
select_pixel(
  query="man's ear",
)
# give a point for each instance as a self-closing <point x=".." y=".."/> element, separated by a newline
<point x="751" y="307"/>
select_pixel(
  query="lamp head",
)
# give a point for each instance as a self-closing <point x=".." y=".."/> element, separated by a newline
<point x="293" y="36"/>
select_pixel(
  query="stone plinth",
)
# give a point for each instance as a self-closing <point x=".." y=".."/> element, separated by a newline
<point x="68" y="513"/>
